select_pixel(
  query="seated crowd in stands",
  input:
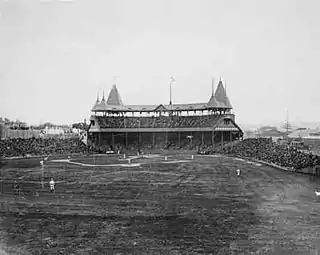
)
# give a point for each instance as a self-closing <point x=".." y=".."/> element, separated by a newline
<point x="158" y="122"/>
<point x="40" y="146"/>
<point x="267" y="150"/>
<point x="257" y="148"/>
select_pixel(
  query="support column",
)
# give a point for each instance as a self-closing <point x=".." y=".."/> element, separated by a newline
<point x="153" y="139"/>
<point x="202" y="138"/>
<point x="230" y="136"/>
<point x="141" y="139"/>
<point x="212" y="138"/>
<point x="113" y="140"/>
<point x="166" y="138"/>
<point x="221" y="137"/>
<point x="179" y="138"/>
<point x="126" y="139"/>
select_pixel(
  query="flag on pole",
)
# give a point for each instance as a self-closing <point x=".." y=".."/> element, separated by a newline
<point x="173" y="79"/>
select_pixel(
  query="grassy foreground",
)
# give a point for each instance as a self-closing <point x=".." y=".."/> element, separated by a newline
<point x="194" y="207"/>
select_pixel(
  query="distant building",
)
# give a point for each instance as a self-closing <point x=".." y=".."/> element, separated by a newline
<point x="305" y="134"/>
<point x="274" y="134"/>
<point x="53" y="131"/>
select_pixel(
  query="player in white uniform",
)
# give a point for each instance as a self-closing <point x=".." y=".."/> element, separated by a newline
<point x="238" y="172"/>
<point x="51" y="185"/>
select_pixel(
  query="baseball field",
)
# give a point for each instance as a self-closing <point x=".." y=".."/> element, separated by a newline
<point x="156" y="204"/>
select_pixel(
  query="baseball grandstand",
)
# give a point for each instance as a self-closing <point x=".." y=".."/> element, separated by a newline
<point x="158" y="179"/>
<point x="114" y="125"/>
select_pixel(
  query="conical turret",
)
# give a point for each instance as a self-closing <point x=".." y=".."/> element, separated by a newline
<point x="114" y="97"/>
<point x="222" y="97"/>
<point x="213" y="102"/>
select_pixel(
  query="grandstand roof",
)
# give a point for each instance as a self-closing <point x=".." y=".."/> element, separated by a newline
<point x="115" y="104"/>
<point x="222" y="97"/>
<point x="114" y="97"/>
<point x="150" y="108"/>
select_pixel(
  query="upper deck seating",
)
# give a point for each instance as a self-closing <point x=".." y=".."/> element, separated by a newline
<point x="158" y="122"/>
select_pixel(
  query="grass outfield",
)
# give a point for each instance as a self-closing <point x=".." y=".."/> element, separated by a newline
<point x="158" y="207"/>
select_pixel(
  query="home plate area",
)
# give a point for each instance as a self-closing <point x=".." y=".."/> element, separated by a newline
<point x="160" y="204"/>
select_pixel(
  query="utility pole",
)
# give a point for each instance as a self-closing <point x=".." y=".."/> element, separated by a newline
<point x="287" y="125"/>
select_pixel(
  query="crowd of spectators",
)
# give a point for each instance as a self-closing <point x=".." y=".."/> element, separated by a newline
<point x="40" y="146"/>
<point x="267" y="150"/>
<point x="256" y="148"/>
<point x="158" y="122"/>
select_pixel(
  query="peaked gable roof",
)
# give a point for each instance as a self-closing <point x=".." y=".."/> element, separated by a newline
<point x="114" y="97"/>
<point x="160" y="108"/>
<point x="231" y="125"/>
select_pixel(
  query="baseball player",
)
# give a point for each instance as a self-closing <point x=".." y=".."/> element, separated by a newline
<point x="51" y="185"/>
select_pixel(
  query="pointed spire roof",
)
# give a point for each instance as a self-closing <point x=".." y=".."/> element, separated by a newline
<point x="220" y="92"/>
<point x="221" y="95"/>
<point x="114" y="97"/>
<point x="213" y="102"/>
<point x="227" y="102"/>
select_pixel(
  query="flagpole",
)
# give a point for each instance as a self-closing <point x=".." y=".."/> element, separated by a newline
<point x="172" y="80"/>
<point x="212" y="86"/>
<point x="170" y="103"/>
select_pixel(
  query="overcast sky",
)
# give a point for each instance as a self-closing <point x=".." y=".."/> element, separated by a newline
<point x="55" y="56"/>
